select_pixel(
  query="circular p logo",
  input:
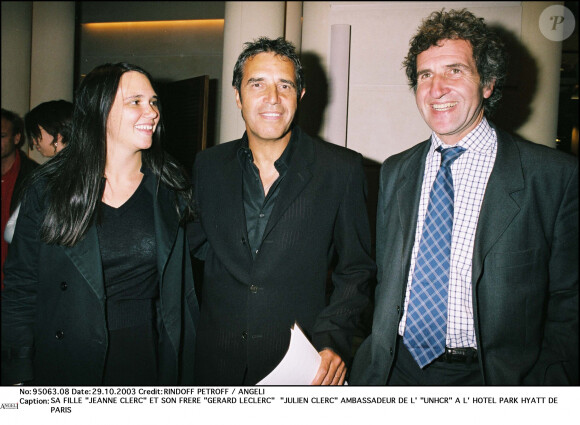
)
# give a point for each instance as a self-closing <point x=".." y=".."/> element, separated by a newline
<point x="557" y="23"/>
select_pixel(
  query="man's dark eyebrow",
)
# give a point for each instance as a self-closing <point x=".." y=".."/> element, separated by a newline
<point x="139" y="96"/>
<point x="457" y="65"/>
<point x="452" y="65"/>
<point x="253" y="80"/>
<point x="289" y="82"/>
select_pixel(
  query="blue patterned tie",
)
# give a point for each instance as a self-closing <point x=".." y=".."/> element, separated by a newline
<point x="426" y="326"/>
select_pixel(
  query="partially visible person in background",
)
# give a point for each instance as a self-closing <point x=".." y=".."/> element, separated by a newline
<point x="99" y="287"/>
<point x="15" y="167"/>
<point x="47" y="128"/>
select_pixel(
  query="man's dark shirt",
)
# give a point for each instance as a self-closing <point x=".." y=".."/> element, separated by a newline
<point x="257" y="206"/>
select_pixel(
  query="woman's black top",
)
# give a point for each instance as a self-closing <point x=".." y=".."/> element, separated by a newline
<point x="129" y="259"/>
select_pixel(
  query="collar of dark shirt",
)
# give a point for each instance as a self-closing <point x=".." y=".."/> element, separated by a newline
<point x="281" y="164"/>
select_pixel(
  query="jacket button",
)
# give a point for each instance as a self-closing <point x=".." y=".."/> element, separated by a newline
<point x="253" y="289"/>
<point x="59" y="334"/>
<point x="244" y="335"/>
<point x="391" y="351"/>
<point x="63" y="286"/>
<point x="398" y="309"/>
<point x="243" y="241"/>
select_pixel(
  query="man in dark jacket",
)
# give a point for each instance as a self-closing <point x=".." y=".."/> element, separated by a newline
<point x="277" y="210"/>
<point x="15" y="167"/>
<point x="495" y="300"/>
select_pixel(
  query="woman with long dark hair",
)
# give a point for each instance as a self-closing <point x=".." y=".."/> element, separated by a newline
<point x="98" y="280"/>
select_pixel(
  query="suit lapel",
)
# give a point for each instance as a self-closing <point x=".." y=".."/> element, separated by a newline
<point x="499" y="203"/>
<point x="86" y="256"/>
<point x="166" y="222"/>
<point x="297" y="177"/>
<point x="408" y="197"/>
<point x="232" y="201"/>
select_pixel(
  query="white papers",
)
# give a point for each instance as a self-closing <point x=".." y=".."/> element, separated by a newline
<point x="299" y="365"/>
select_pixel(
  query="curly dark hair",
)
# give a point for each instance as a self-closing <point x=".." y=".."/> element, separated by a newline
<point x="489" y="50"/>
<point x="280" y="47"/>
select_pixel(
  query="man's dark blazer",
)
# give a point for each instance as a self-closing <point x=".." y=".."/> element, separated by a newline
<point x="247" y="305"/>
<point x="525" y="265"/>
<point x="53" y="290"/>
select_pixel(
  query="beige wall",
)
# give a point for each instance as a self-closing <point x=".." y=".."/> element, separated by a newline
<point x="52" y="51"/>
<point x="382" y="116"/>
<point x="16" y="37"/>
<point x="52" y="55"/>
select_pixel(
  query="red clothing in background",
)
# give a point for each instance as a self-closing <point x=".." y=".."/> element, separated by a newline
<point x="8" y="183"/>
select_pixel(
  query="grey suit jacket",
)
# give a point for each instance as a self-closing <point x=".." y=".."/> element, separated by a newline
<point x="525" y="265"/>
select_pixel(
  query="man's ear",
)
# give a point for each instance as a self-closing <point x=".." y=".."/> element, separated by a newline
<point x="488" y="89"/>
<point x="238" y="98"/>
<point x="302" y="94"/>
<point x="17" y="139"/>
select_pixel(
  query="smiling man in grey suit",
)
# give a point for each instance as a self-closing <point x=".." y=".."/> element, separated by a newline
<point x="477" y="234"/>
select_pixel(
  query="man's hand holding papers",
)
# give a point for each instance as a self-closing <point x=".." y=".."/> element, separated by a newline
<point x="303" y="365"/>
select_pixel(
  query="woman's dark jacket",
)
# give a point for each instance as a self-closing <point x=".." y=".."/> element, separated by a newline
<point x="54" y="329"/>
